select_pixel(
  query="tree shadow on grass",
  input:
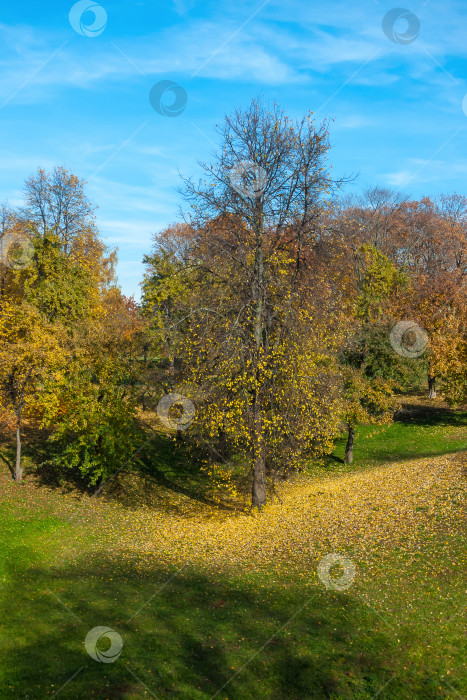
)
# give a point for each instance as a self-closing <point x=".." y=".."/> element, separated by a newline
<point x="187" y="636"/>
<point x="423" y="414"/>
<point x="168" y="467"/>
<point x="164" y="465"/>
<point x="7" y="458"/>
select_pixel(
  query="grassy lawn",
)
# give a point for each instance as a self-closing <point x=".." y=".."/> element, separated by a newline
<point x="424" y="429"/>
<point x="213" y="604"/>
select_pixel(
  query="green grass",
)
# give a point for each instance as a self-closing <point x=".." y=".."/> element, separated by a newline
<point x="426" y="433"/>
<point x="397" y="633"/>
<point x="189" y="638"/>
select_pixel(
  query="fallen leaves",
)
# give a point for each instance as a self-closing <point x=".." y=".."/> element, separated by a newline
<point x="384" y="509"/>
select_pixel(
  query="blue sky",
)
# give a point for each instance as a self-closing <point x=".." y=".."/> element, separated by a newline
<point x="400" y="117"/>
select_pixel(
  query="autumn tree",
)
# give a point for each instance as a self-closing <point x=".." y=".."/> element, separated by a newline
<point x="425" y="240"/>
<point x="437" y="268"/>
<point x="168" y="288"/>
<point x="56" y="201"/>
<point x="66" y="294"/>
<point x="256" y="215"/>
<point x="30" y="357"/>
<point x="91" y="407"/>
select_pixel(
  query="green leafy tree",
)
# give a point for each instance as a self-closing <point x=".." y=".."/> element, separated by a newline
<point x="91" y="410"/>
<point x="365" y="402"/>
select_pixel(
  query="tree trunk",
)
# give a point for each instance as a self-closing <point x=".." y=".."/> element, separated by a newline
<point x="349" y="446"/>
<point x="222" y="442"/>
<point x="18" y="471"/>
<point x="172" y="373"/>
<point x="431" y="387"/>
<point x="258" y="490"/>
<point x="99" y="486"/>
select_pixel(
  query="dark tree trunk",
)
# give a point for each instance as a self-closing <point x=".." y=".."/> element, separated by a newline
<point x="18" y="470"/>
<point x="349" y="446"/>
<point x="222" y="443"/>
<point x="258" y="490"/>
<point x="431" y="387"/>
<point x="99" y="486"/>
<point x="172" y="374"/>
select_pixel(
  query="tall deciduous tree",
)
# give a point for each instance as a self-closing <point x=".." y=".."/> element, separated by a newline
<point x="63" y="304"/>
<point x="30" y="355"/>
<point x="56" y="201"/>
<point x="256" y="215"/>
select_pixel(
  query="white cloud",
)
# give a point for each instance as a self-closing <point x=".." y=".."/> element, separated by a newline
<point x="424" y="171"/>
<point x="316" y="40"/>
<point x="134" y="233"/>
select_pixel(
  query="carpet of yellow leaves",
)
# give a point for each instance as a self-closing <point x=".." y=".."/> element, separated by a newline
<point x="360" y="514"/>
